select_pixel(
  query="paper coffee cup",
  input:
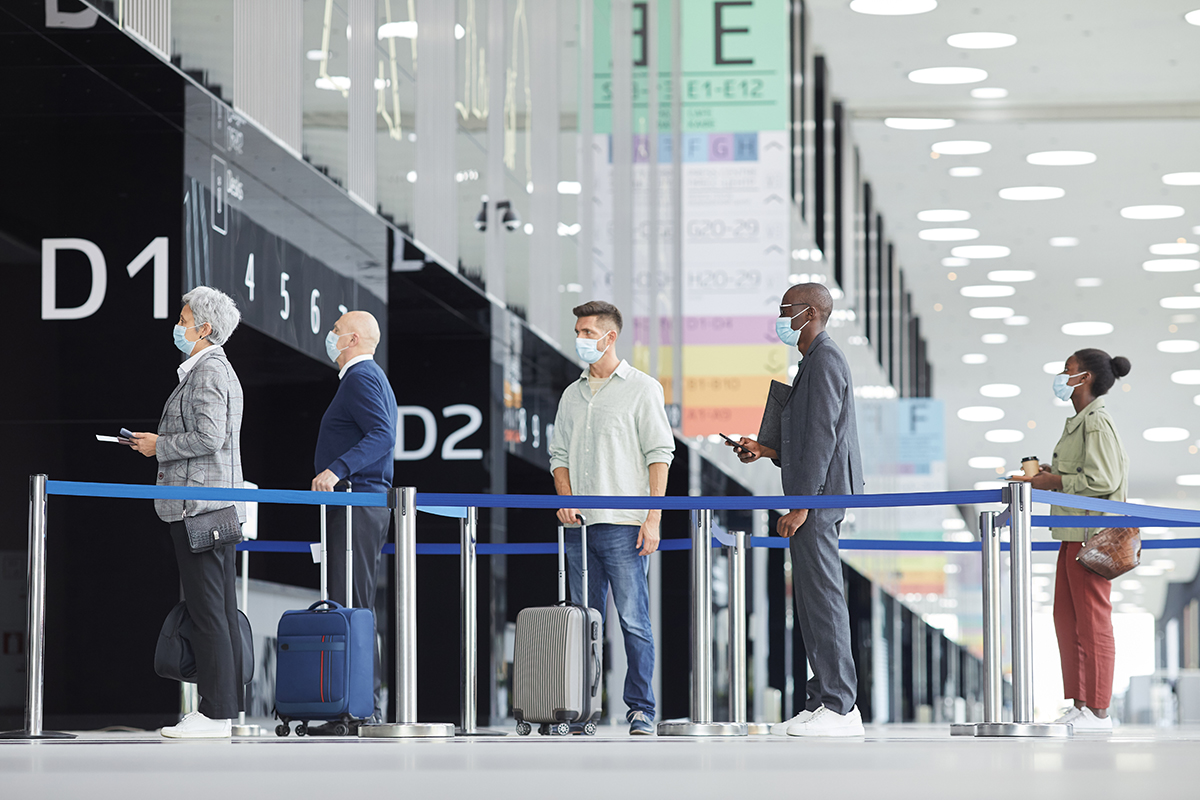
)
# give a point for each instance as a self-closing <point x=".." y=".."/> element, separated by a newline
<point x="1030" y="466"/>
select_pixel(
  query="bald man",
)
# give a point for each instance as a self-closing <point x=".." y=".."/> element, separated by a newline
<point x="356" y="444"/>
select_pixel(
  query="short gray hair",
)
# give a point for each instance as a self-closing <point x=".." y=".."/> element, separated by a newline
<point x="217" y="309"/>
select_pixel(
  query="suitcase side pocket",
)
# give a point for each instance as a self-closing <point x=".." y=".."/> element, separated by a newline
<point x="311" y="668"/>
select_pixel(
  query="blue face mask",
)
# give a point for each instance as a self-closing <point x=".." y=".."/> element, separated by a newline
<point x="331" y="345"/>
<point x="181" y="341"/>
<point x="1062" y="390"/>
<point x="587" y="351"/>
<point x="783" y="329"/>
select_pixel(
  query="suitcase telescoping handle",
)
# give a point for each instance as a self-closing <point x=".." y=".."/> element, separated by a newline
<point x="562" y="560"/>
<point x="349" y="555"/>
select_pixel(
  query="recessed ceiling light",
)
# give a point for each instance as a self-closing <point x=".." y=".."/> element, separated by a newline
<point x="1011" y="275"/>
<point x="951" y="261"/>
<point x="994" y="312"/>
<point x="943" y="215"/>
<point x="987" y="290"/>
<point x="1178" y="346"/>
<point x="1152" y="212"/>
<point x="1053" y="367"/>
<point x="974" y="358"/>
<point x="1032" y="193"/>
<point x="1016" y="320"/>
<point x="980" y="251"/>
<point x="317" y="55"/>
<point x="411" y="177"/>
<point x="570" y="187"/>
<point x="1193" y="17"/>
<point x="1165" y="434"/>
<point x="960" y="147"/>
<point x="334" y="83"/>
<point x="986" y="462"/>
<point x="892" y="8"/>
<point x="980" y="414"/>
<point x="948" y="75"/>
<point x="983" y="486"/>
<point x="918" y="123"/>
<point x="1063" y="241"/>
<point x="993" y="338"/>
<point x="1061" y="158"/>
<point x="1180" y="303"/>
<point x="966" y="172"/>
<point x="1004" y="436"/>
<point x="1171" y="265"/>
<point x="948" y="234"/>
<point x="989" y="93"/>
<point x="1175" y="248"/>
<point x="1087" y="328"/>
<point x="1182" y="179"/>
<point x="1186" y="377"/>
<point x="1183" y="319"/>
<point x="405" y="29"/>
<point x="1089" y="283"/>
<point x="1188" y="480"/>
<point x="1000" y="390"/>
<point x="981" y="40"/>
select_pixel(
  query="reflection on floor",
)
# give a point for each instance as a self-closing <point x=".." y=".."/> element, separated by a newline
<point x="895" y="761"/>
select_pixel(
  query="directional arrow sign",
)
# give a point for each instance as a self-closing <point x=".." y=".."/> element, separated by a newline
<point x="774" y="198"/>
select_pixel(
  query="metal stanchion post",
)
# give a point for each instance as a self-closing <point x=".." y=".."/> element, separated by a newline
<point x="469" y="655"/>
<point x="989" y="539"/>
<point x="701" y="723"/>
<point x="35" y="633"/>
<point x="404" y="510"/>
<point x="1020" y="497"/>
<point x="241" y="728"/>
<point x="737" y="633"/>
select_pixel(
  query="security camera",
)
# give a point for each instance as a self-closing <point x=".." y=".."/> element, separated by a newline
<point x="509" y="217"/>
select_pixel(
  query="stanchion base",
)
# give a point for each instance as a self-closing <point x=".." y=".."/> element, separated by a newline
<point x="1031" y="730"/>
<point x="246" y="730"/>
<point x="42" y="735"/>
<point x="406" y="730"/>
<point x="962" y="729"/>
<point x="758" y="728"/>
<point x="702" y="729"/>
<point x="458" y="731"/>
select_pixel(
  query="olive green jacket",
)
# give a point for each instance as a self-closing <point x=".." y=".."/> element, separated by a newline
<point x="1092" y="462"/>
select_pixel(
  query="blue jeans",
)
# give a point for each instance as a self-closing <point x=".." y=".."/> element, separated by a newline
<point x="613" y="561"/>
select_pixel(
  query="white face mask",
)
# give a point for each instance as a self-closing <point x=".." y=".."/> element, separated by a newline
<point x="587" y="350"/>
<point x="1063" y="390"/>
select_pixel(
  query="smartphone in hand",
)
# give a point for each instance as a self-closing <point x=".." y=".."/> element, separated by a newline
<point x="126" y="436"/>
<point x="737" y="448"/>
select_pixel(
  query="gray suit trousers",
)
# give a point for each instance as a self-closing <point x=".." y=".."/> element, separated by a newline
<point x="821" y="611"/>
<point x="369" y="527"/>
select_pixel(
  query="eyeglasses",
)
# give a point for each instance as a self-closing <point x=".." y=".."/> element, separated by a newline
<point x="783" y="313"/>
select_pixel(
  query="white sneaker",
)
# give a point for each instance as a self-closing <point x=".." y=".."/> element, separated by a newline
<point x="1089" y="723"/>
<point x="826" y="723"/>
<point x="1068" y="717"/>
<point x="197" y="726"/>
<point x="781" y="728"/>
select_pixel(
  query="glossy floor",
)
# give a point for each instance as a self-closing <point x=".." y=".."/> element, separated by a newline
<point x="902" y="761"/>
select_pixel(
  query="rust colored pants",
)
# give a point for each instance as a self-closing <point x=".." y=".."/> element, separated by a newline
<point x="1083" y="622"/>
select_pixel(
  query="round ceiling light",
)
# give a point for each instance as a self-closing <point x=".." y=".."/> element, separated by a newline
<point x="994" y="312"/>
<point x="960" y="147"/>
<point x="993" y="338"/>
<point x="1063" y="241"/>
<point x="1032" y="193"/>
<point x="1053" y="367"/>
<point x="1004" y="436"/>
<point x="948" y="234"/>
<point x="1178" y="346"/>
<point x="1152" y="212"/>
<point x="986" y="462"/>
<point x="951" y="261"/>
<point x="1186" y="377"/>
<point x="1061" y="158"/>
<point x="965" y="172"/>
<point x="1175" y="248"/>
<point x="974" y="358"/>
<point x="1171" y="265"/>
<point x="1177" y="303"/>
<point x="943" y="215"/>
<point x="981" y="40"/>
<point x="989" y="93"/>
<point x="980" y="414"/>
<point x="1182" y="179"/>
<point x="918" y="123"/>
<point x="987" y="290"/>
<point x="1011" y="275"/>
<point x="892" y="8"/>
<point x="948" y="75"/>
<point x="1000" y="390"/>
<point x="980" y="251"/>
<point x="1089" y="283"/>
<point x="1165" y="434"/>
<point x="1087" y="328"/>
<point x="1016" y="321"/>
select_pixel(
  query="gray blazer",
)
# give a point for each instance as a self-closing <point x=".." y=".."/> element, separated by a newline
<point x="819" y="433"/>
<point x="199" y="436"/>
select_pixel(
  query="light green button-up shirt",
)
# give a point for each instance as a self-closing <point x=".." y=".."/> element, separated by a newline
<point x="1092" y="462"/>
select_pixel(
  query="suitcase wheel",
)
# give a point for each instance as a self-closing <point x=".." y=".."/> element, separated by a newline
<point x="302" y="729"/>
<point x="562" y="729"/>
<point x="524" y="728"/>
<point x="544" y="729"/>
<point x="590" y="728"/>
<point x="282" y="730"/>
<point x="341" y="729"/>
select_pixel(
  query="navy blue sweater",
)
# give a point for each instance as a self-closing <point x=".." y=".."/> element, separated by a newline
<point x="358" y="432"/>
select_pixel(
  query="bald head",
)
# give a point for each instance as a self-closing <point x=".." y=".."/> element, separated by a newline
<point x="364" y="324"/>
<point x="815" y="295"/>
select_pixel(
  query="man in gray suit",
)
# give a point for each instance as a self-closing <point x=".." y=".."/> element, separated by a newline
<point x="819" y="454"/>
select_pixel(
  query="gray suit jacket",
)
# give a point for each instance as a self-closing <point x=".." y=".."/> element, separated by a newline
<point x="819" y="433"/>
<point x="199" y="436"/>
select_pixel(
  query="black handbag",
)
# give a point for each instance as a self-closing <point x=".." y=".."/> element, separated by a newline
<point x="213" y="529"/>
<point x="174" y="657"/>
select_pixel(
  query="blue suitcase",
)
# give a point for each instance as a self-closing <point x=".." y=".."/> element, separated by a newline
<point x="325" y="660"/>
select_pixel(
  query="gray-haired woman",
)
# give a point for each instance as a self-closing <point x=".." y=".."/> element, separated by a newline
<point x="197" y="444"/>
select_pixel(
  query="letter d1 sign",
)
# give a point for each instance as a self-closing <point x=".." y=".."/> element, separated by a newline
<point x="50" y="248"/>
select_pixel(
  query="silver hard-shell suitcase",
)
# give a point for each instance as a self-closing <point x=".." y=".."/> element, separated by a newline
<point x="558" y="658"/>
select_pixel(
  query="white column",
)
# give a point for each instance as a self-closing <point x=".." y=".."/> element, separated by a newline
<point x="360" y="133"/>
<point x="436" y="195"/>
<point x="545" y="262"/>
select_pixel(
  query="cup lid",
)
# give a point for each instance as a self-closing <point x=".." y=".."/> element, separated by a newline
<point x="1029" y="458"/>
